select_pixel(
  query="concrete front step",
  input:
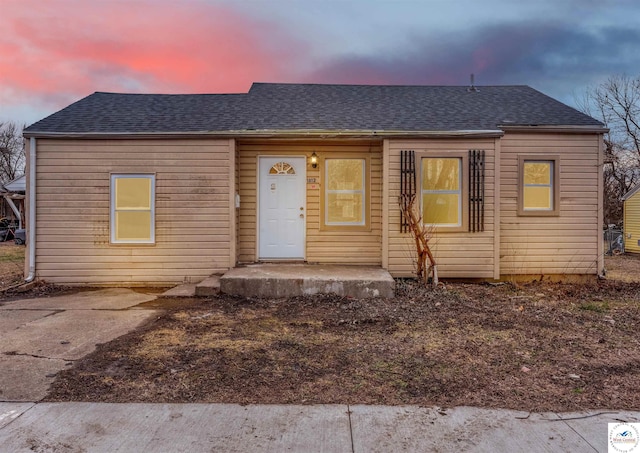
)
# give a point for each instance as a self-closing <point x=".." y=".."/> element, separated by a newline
<point x="209" y="286"/>
<point x="287" y="280"/>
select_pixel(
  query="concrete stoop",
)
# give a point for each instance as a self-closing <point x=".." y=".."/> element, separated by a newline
<point x="287" y="280"/>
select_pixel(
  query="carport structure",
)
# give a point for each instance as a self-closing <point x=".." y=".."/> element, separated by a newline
<point x="14" y="193"/>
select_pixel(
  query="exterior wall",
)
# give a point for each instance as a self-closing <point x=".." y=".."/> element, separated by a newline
<point x="632" y="223"/>
<point x="200" y="232"/>
<point x="344" y="247"/>
<point x="548" y="245"/>
<point x="193" y="210"/>
<point x="458" y="254"/>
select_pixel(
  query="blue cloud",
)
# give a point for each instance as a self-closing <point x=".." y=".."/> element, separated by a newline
<point x="553" y="57"/>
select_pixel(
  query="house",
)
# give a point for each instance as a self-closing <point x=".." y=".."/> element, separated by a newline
<point x="139" y="189"/>
<point x="631" y="219"/>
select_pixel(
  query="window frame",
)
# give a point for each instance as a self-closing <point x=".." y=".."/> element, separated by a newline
<point x="555" y="185"/>
<point x="112" y="208"/>
<point x="463" y="157"/>
<point x="366" y="189"/>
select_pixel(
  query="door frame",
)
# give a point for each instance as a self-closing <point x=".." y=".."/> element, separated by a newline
<point x="258" y="213"/>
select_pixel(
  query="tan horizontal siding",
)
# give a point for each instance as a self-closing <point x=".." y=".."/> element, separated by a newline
<point x="345" y="247"/>
<point x="458" y="254"/>
<point x="192" y="212"/>
<point x="568" y="243"/>
<point x="187" y="249"/>
<point x="632" y="223"/>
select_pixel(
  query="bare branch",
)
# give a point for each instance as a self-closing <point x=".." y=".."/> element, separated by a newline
<point x="421" y="234"/>
<point x="616" y="103"/>
<point x="12" y="156"/>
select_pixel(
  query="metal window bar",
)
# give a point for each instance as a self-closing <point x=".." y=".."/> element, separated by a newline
<point x="476" y="190"/>
<point x="407" y="183"/>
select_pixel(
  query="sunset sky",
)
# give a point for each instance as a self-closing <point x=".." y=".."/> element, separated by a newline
<point x="54" y="52"/>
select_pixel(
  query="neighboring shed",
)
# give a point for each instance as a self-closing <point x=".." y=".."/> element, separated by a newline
<point x="171" y="188"/>
<point x="14" y="195"/>
<point x="631" y="226"/>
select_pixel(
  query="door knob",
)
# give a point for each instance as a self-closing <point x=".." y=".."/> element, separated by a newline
<point x="302" y="216"/>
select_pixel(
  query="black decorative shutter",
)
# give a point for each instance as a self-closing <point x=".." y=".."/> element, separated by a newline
<point x="407" y="183"/>
<point x="476" y="190"/>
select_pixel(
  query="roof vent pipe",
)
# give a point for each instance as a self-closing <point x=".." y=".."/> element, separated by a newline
<point x="472" y="88"/>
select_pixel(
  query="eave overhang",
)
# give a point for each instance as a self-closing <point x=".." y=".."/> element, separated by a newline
<point x="557" y="129"/>
<point x="268" y="133"/>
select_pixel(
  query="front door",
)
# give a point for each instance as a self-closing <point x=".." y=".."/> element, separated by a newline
<point x="282" y="208"/>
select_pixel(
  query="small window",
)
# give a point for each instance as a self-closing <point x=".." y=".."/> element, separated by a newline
<point x="538" y="187"/>
<point x="345" y="195"/>
<point x="132" y="209"/>
<point x="282" y="168"/>
<point x="442" y="191"/>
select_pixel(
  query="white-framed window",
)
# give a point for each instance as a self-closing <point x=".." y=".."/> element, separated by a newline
<point x="441" y="190"/>
<point x="539" y="185"/>
<point x="132" y="205"/>
<point x="345" y="198"/>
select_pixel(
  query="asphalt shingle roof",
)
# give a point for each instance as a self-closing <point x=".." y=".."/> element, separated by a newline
<point x="286" y="107"/>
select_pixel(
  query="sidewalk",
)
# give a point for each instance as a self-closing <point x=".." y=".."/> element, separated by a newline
<point x="101" y="427"/>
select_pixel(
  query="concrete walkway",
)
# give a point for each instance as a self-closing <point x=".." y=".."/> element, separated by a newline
<point x="100" y="427"/>
<point x="41" y="336"/>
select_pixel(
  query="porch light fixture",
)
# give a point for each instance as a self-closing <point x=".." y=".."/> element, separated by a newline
<point x="314" y="160"/>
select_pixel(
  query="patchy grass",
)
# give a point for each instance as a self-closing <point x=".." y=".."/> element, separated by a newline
<point x="539" y="347"/>
<point x="599" y="307"/>
<point x="11" y="264"/>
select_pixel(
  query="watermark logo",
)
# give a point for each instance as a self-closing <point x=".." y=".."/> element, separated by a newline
<point x="624" y="437"/>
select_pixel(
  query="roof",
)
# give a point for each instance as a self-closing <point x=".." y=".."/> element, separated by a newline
<point x="631" y="193"/>
<point x="17" y="185"/>
<point x="315" y="107"/>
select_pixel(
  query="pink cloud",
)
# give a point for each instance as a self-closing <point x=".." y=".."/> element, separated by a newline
<point x="59" y="51"/>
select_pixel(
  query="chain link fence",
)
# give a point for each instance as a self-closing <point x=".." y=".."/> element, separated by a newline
<point x="613" y="241"/>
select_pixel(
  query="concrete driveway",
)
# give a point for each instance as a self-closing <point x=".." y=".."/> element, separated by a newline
<point x="41" y="336"/>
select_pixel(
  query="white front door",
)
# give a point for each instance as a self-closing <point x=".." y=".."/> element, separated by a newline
<point x="282" y="208"/>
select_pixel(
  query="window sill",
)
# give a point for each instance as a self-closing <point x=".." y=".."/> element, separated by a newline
<point x="554" y="213"/>
<point x="346" y="228"/>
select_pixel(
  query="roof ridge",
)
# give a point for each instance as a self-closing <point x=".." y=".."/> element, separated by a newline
<point x="385" y="85"/>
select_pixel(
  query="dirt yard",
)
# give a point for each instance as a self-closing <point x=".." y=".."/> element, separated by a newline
<point x="535" y="347"/>
<point x="625" y="268"/>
